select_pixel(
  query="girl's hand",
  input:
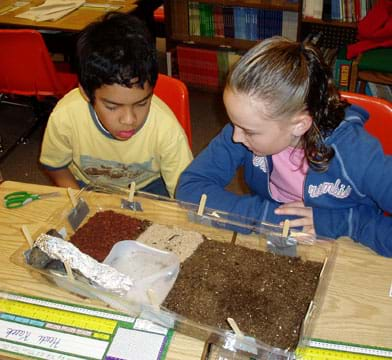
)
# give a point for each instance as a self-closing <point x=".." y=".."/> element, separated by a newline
<point x="299" y="209"/>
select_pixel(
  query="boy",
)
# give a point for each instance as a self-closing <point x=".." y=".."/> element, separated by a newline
<point x="112" y="129"/>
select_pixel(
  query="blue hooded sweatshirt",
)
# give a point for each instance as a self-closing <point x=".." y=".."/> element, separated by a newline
<point x="349" y="199"/>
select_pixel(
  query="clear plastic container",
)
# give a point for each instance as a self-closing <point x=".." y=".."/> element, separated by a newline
<point x="153" y="271"/>
<point x="245" y="232"/>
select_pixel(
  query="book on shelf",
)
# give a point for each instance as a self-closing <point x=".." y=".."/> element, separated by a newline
<point x="380" y="90"/>
<point x="223" y="67"/>
<point x="179" y="22"/>
<point x="203" y="67"/>
<point x="240" y="22"/>
<point x="228" y="21"/>
<point x="290" y="24"/>
<point x="218" y="21"/>
<point x="254" y="15"/>
<point x="343" y="10"/>
<point x="312" y="9"/>
<point x="198" y="67"/>
<point x="342" y="70"/>
<point x="232" y="57"/>
<point x="326" y="14"/>
<point x="194" y="18"/>
<point x="206" y="20"/>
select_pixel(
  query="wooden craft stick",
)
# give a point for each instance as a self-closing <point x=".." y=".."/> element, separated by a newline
<point x="234" y="237"/>
<point x="132" y="191"/>
<point x="68" y="269"/>
<point x="202" y="205"/>
<point x="286" y="228"/>
<point x="152" y="296"/>
<point x="235" y="327"/>
<point x="27" y="235"/>
<point x="72" y="197"/>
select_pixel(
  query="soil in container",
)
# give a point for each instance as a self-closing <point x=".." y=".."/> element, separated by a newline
<point x="266" y="294"/>
<point x="97" y="237"/>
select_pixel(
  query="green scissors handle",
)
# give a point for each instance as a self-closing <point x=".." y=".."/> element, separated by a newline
<point x="21" y="198"/>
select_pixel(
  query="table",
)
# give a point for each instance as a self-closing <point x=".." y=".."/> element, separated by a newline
<point x="357" y="307"/>
<point x="73" y="22"/>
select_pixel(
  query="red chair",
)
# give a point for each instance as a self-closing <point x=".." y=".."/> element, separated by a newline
<point x="175" y="94"/>
<point x="26" y="67"/>
<point x="380" y="121"/>
<point x="159" y="14"/>
<point x="27" y="70"/>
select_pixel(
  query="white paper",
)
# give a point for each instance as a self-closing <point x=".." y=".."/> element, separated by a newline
<point x="49" y="340"/>
<point x="133" y="344"/>
<point x="51" y="10"/>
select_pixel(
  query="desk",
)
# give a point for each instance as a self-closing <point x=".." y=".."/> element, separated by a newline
<point x="357" y="308"/>
<point x="75" y="21"/>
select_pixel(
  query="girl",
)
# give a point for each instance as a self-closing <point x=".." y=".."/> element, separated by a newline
<point x="305" y="153"/>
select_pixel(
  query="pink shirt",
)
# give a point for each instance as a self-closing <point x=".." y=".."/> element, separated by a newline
<point x="288" y="175"/>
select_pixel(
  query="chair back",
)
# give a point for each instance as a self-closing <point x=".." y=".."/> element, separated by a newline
<point x="26" y="67"/>
<point x="175" y="94"/>
<point x="380" y="121"/>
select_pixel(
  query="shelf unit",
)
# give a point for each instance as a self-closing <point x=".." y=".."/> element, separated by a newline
<point x="177" y="24"/>
<point x="335" y="34"/>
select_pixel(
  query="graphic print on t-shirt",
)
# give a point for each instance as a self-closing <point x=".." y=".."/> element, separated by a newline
<point x="108" y="171"/>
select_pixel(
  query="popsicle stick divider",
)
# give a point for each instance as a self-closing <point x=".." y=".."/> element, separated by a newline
<point x="27" y="235"/>
<point x="152" y="296"/>
<point x="234" y="237"/>
<point x="132" y="191"/>
<point x="202" y="205"/>
<point x="235" y="328"/>
<point x="68" y="269"/>
<point x="72" y="197"/>
<point x="286" y="228"/>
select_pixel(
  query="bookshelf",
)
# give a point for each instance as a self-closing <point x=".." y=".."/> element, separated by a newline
<point x="338" y="27"/>
<point x="180" y="19"/>
<point x="230" y="27"/>
<point x="219" y="31"/>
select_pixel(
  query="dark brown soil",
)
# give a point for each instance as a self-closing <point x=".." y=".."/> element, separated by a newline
<point x="266" y="294"/>
<point x="97" y="237"/>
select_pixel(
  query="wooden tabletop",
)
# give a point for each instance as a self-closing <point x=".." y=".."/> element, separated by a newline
<point x="74" y="21"/>
<point x="357" y="307"/>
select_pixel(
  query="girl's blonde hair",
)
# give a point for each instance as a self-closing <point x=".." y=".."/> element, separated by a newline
<point x="290" y="77"/>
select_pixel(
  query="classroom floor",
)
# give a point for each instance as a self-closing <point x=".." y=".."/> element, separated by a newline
<point x="21" y="162"/>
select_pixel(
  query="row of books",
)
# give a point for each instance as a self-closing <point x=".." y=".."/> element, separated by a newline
<point x="339" y="10"/>
<point x="208" y="68"/>
<point x="214" y="20"/>
<point x="204" y="68"/>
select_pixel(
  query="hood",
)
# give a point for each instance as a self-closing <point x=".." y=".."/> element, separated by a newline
<point x="354" y="116"/>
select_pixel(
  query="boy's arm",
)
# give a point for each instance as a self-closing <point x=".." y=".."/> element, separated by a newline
<point x="175" y="157"/>
<point x="63" y="178"/>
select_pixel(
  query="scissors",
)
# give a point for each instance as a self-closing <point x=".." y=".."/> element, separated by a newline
<point x="20" y="198"/>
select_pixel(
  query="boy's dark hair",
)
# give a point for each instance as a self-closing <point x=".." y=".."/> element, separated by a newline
<point x="116" y="50"/>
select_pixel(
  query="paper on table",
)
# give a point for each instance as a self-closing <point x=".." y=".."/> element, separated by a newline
<point x="51" y="10"/>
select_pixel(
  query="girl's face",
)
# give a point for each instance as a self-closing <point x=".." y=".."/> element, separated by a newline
<point x="252" y="128"/>
<point x="122" y="110"/>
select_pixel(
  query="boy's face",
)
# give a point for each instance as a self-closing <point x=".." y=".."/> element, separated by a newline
<point x="122" y="110"/>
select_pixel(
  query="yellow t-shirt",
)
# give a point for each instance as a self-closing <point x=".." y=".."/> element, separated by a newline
<point x="74" y="139"/>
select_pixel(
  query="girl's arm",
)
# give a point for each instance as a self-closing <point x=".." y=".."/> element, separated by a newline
<point x="212" y="170"/>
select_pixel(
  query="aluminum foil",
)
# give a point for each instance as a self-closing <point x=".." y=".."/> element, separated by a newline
<point x="99" y="274"/>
